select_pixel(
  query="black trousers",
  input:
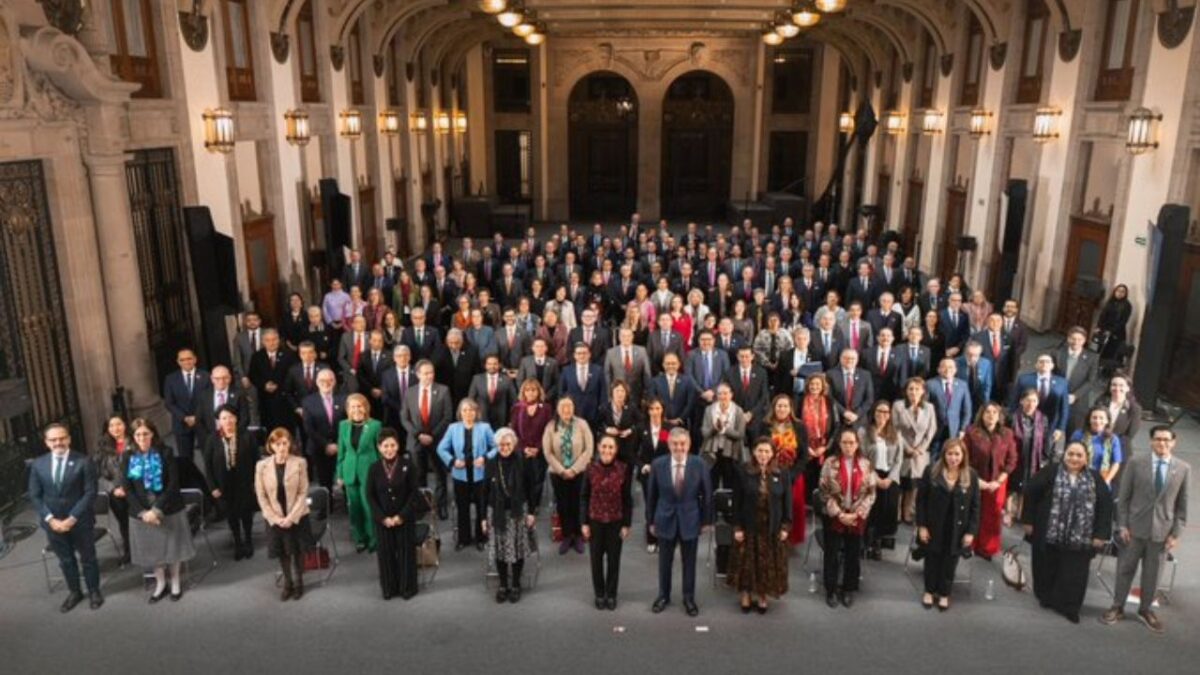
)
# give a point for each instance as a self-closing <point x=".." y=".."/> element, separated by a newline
<point x="666" y="560"/>
<point x="1060" y="577"/>
<point x="119" y="506"/>
<point x="240" y="525"/>
<point x="539" y="478"/>
<point x="80" y="540"/>
<point x="566" y="497"/>
<point x="883" y="521"/>
<point x="841" y="554"/>
<point x="510" y="574"/>
<point x="724" y="473"/>
<point x="644" y="479"/>
<point x="940" y="567"/>
<point x="467" y="494"/>
<point x="606" y="548"/>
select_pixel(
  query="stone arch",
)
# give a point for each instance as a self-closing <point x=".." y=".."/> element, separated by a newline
<point x="602" y="153"/>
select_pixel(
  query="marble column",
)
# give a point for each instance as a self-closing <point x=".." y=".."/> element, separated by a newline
<point x="135" y="370"/>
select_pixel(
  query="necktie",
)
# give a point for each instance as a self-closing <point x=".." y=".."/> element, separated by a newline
<point x="583" y="378"/>
<point x="995" y="345"/>
<point x="271" y="359"/>
<point x="849" y="390"/>
<point x="420" y="336"/>
<point x="883" y="360"/>
<point x="1159" y="476"/>
<point x="491" y="388"/>
<point x="308" y="378"/>
<point x="1043" y="388"/>
<point x="949" y="392"/>
<point x="253" y="340"/>
<point x="912" y="354"/>
<point x="708" y="370"/>
<point x="670" y="386"/>
<point x="357" y="352"/>
<point x="403" y="384"/>
<point x="587" y="336"/>
<point x="425" y="406"/>
<point x="854" y="335"/>
<point x="59" y="463"/>
<point x="512" y="337"/>
<point x="628" y="361"/>
<point x="329" y="409"/>
<point x="678" y="479"/>
<point x="220" y="399"/>
<point x="188" y="377"/>
<point x="745" y="379"/>
<point x="1008" y="325"/>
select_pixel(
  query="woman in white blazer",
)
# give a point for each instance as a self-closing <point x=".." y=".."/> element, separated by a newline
<point x="916" y="424"/>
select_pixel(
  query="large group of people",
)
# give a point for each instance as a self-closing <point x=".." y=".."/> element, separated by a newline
<point x="795" y="369"/>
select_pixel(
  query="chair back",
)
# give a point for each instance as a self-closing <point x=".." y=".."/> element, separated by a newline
<point x="100" y="506"/>
<point x="319" y="502"/>
<point x="193" y="506"/>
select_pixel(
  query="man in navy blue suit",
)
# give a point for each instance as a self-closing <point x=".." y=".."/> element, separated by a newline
<point x="679" y="502"/>
<point x="956" y="325"/>
<point x="62" y="487"/>
<point x="583" y="383"/>
<point x="977" y="372"/>
<point x="182" y="393"/>
<point x="677" y="391"/>
<point x="1053" y="394"/>
<point x="951" y="404"/>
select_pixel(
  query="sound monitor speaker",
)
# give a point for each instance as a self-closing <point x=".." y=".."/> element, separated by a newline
<point x="336" y="207"/>
<point x="214" y="266"/>
<point x="1010" y="247"/>
<point x="394" y="224"/>
<point x="1163" y="312"/>
<point x="967" y="243"/>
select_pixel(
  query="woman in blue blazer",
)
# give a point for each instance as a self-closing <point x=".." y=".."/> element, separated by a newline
<point x="465" y="448"/>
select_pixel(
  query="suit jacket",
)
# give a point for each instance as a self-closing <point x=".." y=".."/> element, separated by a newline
<point x="182" y="403"/>
<point x="922" y="367"/>
<point x="731" y="349"/>
<point x="206" y="411"/>
<point x="695" y="368"/>
<point x="345" y="353"/>
<point x="237" y="483"/>
<point x="360" y="277"/>
<point x="528" y="371"/>
<point x="393" y="393"/>
<point x="656" y="348"/>
<point x="859" y="401"/>
<point x="915" y="432"/>
<point x="74" y="497"/>
<point x="682" y="405"/>
<point x="955" y="415"/>
<point x="1083" y="376"/>
<point x="297" y="387"/>
<point x="1002" y="364"/>
<point x="1055" y="406"/>
<point x="1146" y="513"/>
<point x="599" y="345"/>
<point x="241" y="351"/>
<point x="893" y="320"/>
<point x="638" y="378"/>
<point x="457" y="376"/>
<point x="353" y="461"/>
<point x="430" y="339"/>
<point x="273" y="406"/>
<point x="830" y="356"/>
<point x="511" y="355"/>
<point x="319" y="430"/>
<point x="984" y="387"/>
<point x="745" y="503"/>
<point x="885" y="381"/>
<point x="730" y="442"/>
<point x="588" y="398"/>
<point x="453" y="447"/>
<point x="867" y="296"/>
<point x="755" y="398"/>
<point x="677" y="515"/>
<point x="295" y="488"/>
<point x="788" y="383"/>
<point x="494" y="411"/>
<point x="956" y="333"/>
<point x="168" y="501"/>
<point x="1039" y="499"/>
<point x="441" y="414"/>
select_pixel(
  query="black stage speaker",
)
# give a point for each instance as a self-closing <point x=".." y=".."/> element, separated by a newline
<point x="214" y="272"/>
<point x="1162" y="316"/>
<point x="967" y="243"/>
<point x="336" y="208"/>
<point x="1014" y="225"/>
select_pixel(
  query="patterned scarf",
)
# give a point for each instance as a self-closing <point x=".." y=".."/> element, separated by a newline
<point x="566" y="441"/>
<point x="1072" y="510"/>
<point x="147" y="467"/>
<point x="1106" y="449"/>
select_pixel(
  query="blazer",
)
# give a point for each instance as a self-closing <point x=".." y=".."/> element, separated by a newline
<point x="453" y="447"/>
<point x="730" y="442"/>
<point x="639" y="379"/>
<point x="441" y="414"/>
<point x="675" y="515"/>
<point x="650" y="448"/>
<point x="984" y="376"/>
<point x="755" y="398"/>
<point x="657" y="348"/>
<point x="181" y="403"/>
<point x="457" y="376"/>
<point x="831" y="489"/>
<point x="236" y="484"/>
<point x="588" y="398"/>
<point x="745" y="502"/>
<point x="866" y="335"/>
<point x="74" y="497"/>
<point x="595" y="476"/>
<point x="885" y="383"/>
<point x="921" y="367"/>
<point x="1039" y="498"/>
<point x="511" y="355"/>
<point x="393" y="393"/>
<point x="599" y="345"/>
<point x="828" y="357"/>
<point x="319" y="430"/>
<point x="295" y="489"/>
<point x="430" y="339"/>
<point x="916" y="432"/>
<point x="994" y="454"/>
<point x="628" y="419"/>
<point x="241" y="351"/>
<point x="273" y="406"/>
<point x="682" y="405"/>
<point x="206" y="411"/>
<point x="353" y="462"/>
<point x="1001" y="365"/>
<point x="168" y="501"/>
<point x="1144" y="513"/>
<point x="549" y="379"/>
<point x="483" y="339"/>
<point x="862" y="396"/>
<point x="494" y="411"/>
<point x="1055" y="406"/>
<point x="956" y="333"/>
<point x="1082" y="378"/>
<point x="955" y="415"/>
<point x="937" y="502"/>
<point x="582" y="447"/>
<point x="296" y="387"/>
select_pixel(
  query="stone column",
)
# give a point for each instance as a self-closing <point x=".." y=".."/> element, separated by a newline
<point x="134" y="365"/>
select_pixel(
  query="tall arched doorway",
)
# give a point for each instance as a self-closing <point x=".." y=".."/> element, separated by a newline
<point x="697" y="146"/>
<point x="602" y="118"/>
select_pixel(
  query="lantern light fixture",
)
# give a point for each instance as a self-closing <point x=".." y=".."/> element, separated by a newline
<point x="894" y="122"/>
<point x="351" y="124"/>
<point x="806" y="15"/>
<point x="931" y="121"/>
<point x="980" y="123"/>
<point x="389" y="122"/>
<point x="536" y="38"/>
<point x="493" y="6"/>
<point x="511" y="16"/>
<point x="418" y="122"/>
<point x="846" y="123"/>
<point x="295" y="127"/>
<point x="1142" y="138"/>
<point x="772" y="38"/>
<point x="218" y="130"/>
<point x="441" y="122"/>
<point x="830" y="6"/>
<point x="460" y="122"/>
<point x="787" y="30"/>
<point x="1045" y="124"/>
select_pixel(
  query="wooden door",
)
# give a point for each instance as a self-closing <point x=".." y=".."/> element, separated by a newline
<point x="697" y="138"/>
<point x="1083" y="273"/>
<point x="602" y="172"/>
<point x="369" y="241"/>
<point x="912" y="214"/>
<point x="1182" y="379"/>
<point x="262" y="270"/>
<point x="956" y="210"/>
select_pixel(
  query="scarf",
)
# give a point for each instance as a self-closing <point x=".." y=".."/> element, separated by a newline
<point x="1072" y="510"/>
<point x="148" y="468"/>
<point x="566" y="441"/>
<point x="1106" y="449"/>
<point x="511" y="480"/>
<point x="816" y="420"/>
<point x="1030" y="432"/>
<point x="783" y="438"/>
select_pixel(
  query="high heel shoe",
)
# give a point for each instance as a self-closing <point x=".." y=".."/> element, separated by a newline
<point x="158" y="596"/>
<point x="927" y="603"/>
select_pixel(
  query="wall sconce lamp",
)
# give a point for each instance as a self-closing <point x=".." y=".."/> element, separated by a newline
<point x="931" y="122"/>
<point x="218" y="130"/>
<point x="980" y="124"/>
<point x="460" y="122"/>
<point x="1045" y="124"/>
<point x="846" y="123"/>
<point x="1143" y="128"/>
<point x="893" y="122"/>
<point x="295" y="127"/>
<point x="441" y="122"/>
<point x="389" y="123"/>
<point x="418" y="122"/>
<point x="351" y="124"/>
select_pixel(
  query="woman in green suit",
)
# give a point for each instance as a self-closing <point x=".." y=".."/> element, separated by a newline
<point x="356" y="441"/>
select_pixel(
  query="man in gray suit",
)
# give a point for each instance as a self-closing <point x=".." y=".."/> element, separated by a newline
<point x="1080" y="368"/>
<point x="707" y="366"/>
<point x="245" y="343"/>
<point x="1151" y="515"/>
<point x="629" y="363"/>
<point x="426" y="415"/>
<point x="539" y="366"/>
<point x="512" y="341"/>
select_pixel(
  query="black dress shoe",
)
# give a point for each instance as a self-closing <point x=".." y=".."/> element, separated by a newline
<point x="690" y="607"/>
<point x="95" y="600"/>
<point x="831" y="600"/>
<point x="248" y="551"/>
<point x="176" y="596"/>
<point x="601" y="603"/>
<point x="359" y="548"/>
<point x="847" y="599"/>
<point x="237" y="552"/>
<point x="746" y="609"/>
<point x="611" y="604"/>
<point x="73" y="599"/>
<point x="501" y="595"/>
<point x="659" y="605"/>
<point x="514" y="595"/>
<point x="761" y="609"/>
<point x="158" y="596"/>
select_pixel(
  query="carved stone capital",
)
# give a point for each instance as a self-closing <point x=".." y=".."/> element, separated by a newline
<point x="280" y="46"/>
<point x="194" y="28"/>
<point x="997" y="54"/>
<point x="337" y="57"/>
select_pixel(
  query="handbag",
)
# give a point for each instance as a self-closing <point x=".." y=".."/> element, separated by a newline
<point x="1011" y="570"/>
<point x="556" y="533"/>
<point x="316" y="559"/>
<point x="430" y="548"/>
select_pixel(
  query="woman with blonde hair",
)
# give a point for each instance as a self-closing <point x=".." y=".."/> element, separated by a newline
<point x="281" y="486"/>
<point x="357" y="437"/>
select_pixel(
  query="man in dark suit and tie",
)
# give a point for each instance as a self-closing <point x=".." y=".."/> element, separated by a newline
<point x="541" y="367"/>
<point x="727" y="340"/>
<point x="1018" y="337"/>
<point x="426" y="415"/>
<point x="750" y="384"/>
<point x="1080" y="368"/>
<point x="886" y="316"/>
<point x="508" y="288"/>
<point x="301" y="378"/>
<point x="977" y="373"/>
<point x="247" y="341"/>
<point x="182" y="392"/>
<point x="219" y="393"/>
<point x="268" y="373"/>
<point x="1151" y="516"/>
<point x="932" y="299"/>
<point x="706" y="366"/>
<point x="810" y="290"/>
<point x="62" y="489"/>
<point x="629" y="363"/>
<point x="456" y="364"/>
<point x="592" y="334"/>
<point x="951" y="404"/>
<point x="677" y="392"/>
<point x="662" y="342"/>
<point x="883" y="364"/>
<point x="395" y="381"/>
<point x="956" y="325"/>
<point x="914" y="358"/>
<point x="512" y="341"/>
<point x="375" y="361"/>
<point x="322" y="412"/>
<point x="997" y="350"/>
<point x="827" y="341"/>
<point x="583" y="382"/>
<point x="1053" y="396"/>
<point x="851" y="389"/>
<point x="493" y="392"/>
<point x="356" y="273"/>
<point x="865" y="288"/>
<point x="679" y="505"/>
<point x="420" y="338"/>
<point x="797" y="364"/>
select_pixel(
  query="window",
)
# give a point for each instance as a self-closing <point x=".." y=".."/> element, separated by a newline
<point x="791" y="74"/>
<point x="928" y="73"/>
<point x="239" y="60"/>
<point x="511" y="81"/>
<point x="135" y="53"/>
<point x="354" y="58"/>
<point x="1116" y="61"/>
<point x="1037" y="20"/>
<point x="310" y="83"/>
<point x="971" y="81"/>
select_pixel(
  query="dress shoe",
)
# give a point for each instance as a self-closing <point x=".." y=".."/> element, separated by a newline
<point x="659" y="605"/>
<point x="1111" y="616"/>
<point x="831" y="600"/>
<point x="690" y="607"/>
<point x="248" y="551"/>
<point x="579" y="548"/>
<point x="298" y="592"/>
<point x="611" y="604"/>
<point x="501" y="595"/>
<point x="564" y="546"/>
<point x="514" y="595"/>
<point x="927" y="602"/>
<point x="761" y="609"/>
<point x="73" y="599"/>
<point x="95" y="600"/>
<point x="359" y="548"/>
<point x="847" y="599"/>
<point x="1151" y="620"/>
<point x="746" y="609"/>
<point x="601" y="603"/>
<point x="652" y="548"/>
<point x="237" y="552"/>
<point x="158" y="596"/>
<point x="176" y="596"/>
<point x="286" y="594"/>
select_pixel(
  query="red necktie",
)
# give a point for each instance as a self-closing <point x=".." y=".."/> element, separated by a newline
<point x="308" y="382"/>
<point x="949" y="392"/>
<point x="854" y="335"/>
<point x="996" y="345"/>
<point x="491" y="388"/>
<point x="425" y="407"/>
<point x="357" y="352"/>
<point x="849" y="390"/>
<point x="883" y="361"/>
<point x="628" y="362"/>
<point x="745" y="379"/>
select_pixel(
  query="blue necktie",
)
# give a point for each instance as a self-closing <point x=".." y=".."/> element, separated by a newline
<point x="1159" y="476"/>
<point x="708" y="370"/>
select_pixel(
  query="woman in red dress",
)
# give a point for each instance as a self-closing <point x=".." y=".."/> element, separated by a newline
<point x="681" y="323"/>
<point x="790" y="441"/>
<point x="992" y="450"/>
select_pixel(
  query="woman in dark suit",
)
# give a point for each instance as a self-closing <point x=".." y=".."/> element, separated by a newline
<point x="619" y="419"/>
<point x="510" y="512"/>
<point x="652" y="443"/>
<point x="762" y="513"/>
<point x="947" y="519"/>
<point x="933" y="337"/>
<point x="394" y="493"/>
<point x="113" y="443"/>
<point x="159" y="535"/>
<point x="1124" y="413"/>
<point x="1067" y="517"/>
<point x="295" y="322"/>
<point x="229" y="459"/>
<point x="1114" y="320"/>
<point x="606" y="506"/>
